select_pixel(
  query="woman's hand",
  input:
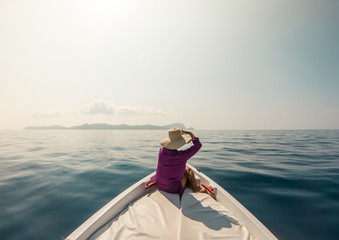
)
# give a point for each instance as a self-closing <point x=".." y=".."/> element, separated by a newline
<point x="183" y="132"/>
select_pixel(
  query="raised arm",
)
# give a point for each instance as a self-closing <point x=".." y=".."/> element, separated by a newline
<point x="188" y="153"/>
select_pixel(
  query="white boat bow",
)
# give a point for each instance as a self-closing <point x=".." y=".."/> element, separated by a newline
<point x="139" y="213"/>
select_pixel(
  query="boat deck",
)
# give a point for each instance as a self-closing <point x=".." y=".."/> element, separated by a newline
<point x="161" y="215"/>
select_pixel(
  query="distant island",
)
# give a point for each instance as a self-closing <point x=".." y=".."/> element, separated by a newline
<point x="104" y="126"/>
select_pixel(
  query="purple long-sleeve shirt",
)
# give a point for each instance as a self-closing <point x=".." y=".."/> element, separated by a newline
<point x="171" y="167"/>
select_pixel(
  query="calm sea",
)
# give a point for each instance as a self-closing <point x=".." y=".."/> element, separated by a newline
<point x="52" y="181"/>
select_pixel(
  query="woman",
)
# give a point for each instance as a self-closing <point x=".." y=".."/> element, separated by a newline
<point x="172" y="175"/>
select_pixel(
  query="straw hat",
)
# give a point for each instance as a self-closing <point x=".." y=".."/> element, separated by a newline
<point x="175" y="140"/>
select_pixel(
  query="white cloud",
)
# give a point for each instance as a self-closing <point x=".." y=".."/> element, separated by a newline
<point x="99" y="107"/>
<point x="107" y="108"/>
<point x="40" y="115"/>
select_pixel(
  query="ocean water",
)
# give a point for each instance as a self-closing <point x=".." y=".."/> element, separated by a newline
<point x="53" y="180"/>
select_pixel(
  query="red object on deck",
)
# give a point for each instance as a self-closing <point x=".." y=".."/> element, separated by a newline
<point x="150" y="184"/>
<point x="208" y="188"/>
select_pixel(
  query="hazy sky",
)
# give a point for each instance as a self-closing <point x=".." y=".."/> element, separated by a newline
<point x="227" y="64"/>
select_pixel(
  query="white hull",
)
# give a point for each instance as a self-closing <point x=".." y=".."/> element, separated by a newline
<point x="111" y="210"/>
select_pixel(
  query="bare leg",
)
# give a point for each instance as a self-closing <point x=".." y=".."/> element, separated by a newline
<point x="191" y="182"/>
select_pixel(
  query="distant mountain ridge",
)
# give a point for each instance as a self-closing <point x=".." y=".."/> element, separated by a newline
<point x="105" y="126"/>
